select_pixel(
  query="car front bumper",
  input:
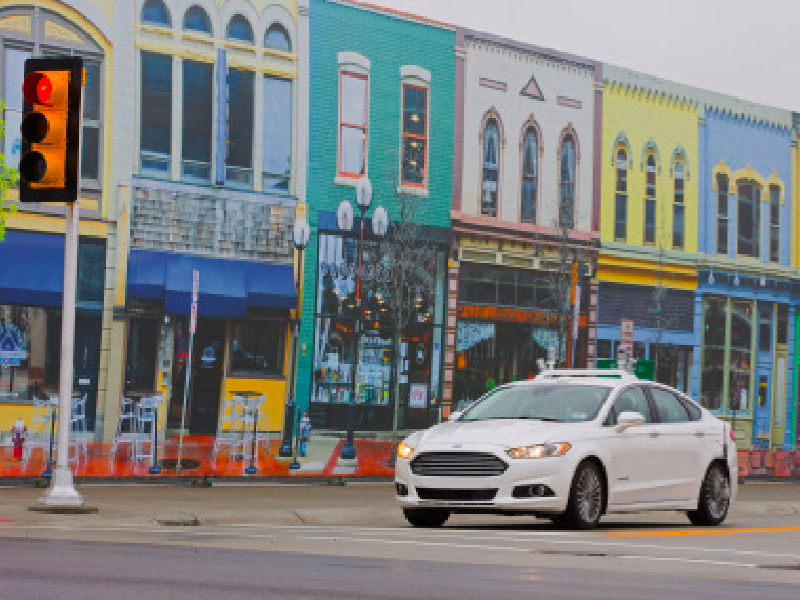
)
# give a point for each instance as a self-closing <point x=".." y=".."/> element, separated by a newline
<point x="555" y="473"/>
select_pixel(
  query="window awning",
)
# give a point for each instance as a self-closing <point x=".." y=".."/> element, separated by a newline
<point x="31" y="268"/>
<point x="227" y="287"/>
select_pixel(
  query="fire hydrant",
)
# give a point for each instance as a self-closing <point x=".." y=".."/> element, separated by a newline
<point x="304" y="432"/>
<point x="18" y="434"/>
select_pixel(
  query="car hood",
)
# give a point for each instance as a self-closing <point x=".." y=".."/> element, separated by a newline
<point x="507" y="433"/>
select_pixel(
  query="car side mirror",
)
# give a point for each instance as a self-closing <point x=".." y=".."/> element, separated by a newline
<point x="629" y="418"/>
<point x="455" y="416"/>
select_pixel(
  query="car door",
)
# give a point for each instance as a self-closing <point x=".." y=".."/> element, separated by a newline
<point x="633" y="452"/>
<point x="680" y="447"/>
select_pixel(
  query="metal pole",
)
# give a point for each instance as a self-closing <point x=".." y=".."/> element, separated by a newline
<point x="349" y="450"/>
<point x="62" y="490"/>
<point x="154" y="468"/>
<point x="183" y="410"/>
<point x="48" y="471"/>
<point x="288" y="418"/>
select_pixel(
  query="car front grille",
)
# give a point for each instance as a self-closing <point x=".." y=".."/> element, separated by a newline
<point x="457" y="464"/>
<point x="456" y="495"/>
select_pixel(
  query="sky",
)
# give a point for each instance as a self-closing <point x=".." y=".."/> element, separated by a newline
<point x="739" y="47"/>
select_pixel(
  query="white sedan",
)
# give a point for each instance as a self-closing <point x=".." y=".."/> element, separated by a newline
<point x="571" y="446"/>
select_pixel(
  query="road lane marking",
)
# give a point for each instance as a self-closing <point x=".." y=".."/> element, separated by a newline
<point x="702" y="531"/>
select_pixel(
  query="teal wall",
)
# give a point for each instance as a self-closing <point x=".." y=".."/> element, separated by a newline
<point x="389" y="42"/>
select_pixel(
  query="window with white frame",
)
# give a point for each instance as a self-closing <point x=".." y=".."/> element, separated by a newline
<point x="621" y="197"/>
<point x="414" y="165"/>
<point x="566" y="206"/>
<point x="197" y="120"/>
<point x="678" y="207"/>
<point x="530" y="166"/>
<point x="239" y="161"/>
<point x="650" y="201"/>
<point x="277" y="158"/>
<point x="353" y="123"/>
<point x="722" y="214"/>
<point x="748" y="218"/>
<point x="774" y="223"/>
<point x="156" y="114"/>
<point x="491" y="168"/>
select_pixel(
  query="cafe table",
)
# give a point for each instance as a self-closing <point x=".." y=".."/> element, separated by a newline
<point x="249" y="402"/>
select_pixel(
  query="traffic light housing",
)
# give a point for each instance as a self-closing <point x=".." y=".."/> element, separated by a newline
<point x="51" y="130"/>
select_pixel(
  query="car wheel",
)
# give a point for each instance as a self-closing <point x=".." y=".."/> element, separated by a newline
<point x="586" y="499"/>
<point x="426" y="517"/>
<point x="715" y="498"/>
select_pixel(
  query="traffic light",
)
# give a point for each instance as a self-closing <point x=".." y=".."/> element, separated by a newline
<point x="51" y="130"/>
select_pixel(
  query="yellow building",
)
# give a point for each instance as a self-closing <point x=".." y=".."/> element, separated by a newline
<point x="649" y="220"/>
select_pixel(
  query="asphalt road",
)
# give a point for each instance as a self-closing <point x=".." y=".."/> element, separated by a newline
<point x="628" y="557"/>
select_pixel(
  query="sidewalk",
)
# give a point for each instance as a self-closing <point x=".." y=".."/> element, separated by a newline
<point x="369" y="504"/>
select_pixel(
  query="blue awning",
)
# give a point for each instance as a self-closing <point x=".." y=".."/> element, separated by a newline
<point x="31" y="268"/>
<point x="227" y="287"/>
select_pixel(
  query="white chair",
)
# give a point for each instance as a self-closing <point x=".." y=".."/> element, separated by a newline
<point x="78" y="429"/>
<point x="146" y="428"/>
<point x="39" y="434"/>
<point x="254" y="410"/>
<point x="229" y="429"/>
<point x="127" y="415"/>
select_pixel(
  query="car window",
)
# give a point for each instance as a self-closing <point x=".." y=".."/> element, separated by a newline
<point x="670" y="409"/>
<point x="695" y="414"/>
<point x="631" y="400"/>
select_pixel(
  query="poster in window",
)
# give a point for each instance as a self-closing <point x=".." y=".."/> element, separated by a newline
<point x="419" y="396"/>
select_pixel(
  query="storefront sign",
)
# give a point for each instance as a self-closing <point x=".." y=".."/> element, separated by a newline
<point x="419" y="396"/>
<point x="12" y="346"/>
<point x="504" y="313"/>
<point x="626" y="337"/>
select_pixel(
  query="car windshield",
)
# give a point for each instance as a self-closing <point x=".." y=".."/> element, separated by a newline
<point x="564" y="403"/>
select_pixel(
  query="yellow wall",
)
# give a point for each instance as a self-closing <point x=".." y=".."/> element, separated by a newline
<point x="642" y="116"/>
<point x="9" y="413"/>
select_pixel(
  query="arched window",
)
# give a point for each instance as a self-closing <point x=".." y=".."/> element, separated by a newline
<point x="722" y="214"/>
<point x="621" y="197"/>
<point x="491" y="168"/>
<point x="678" y="208"/>
<point x="650" y="201"/>
<point x="530" y="165"/>
<point x="748" y="218"/>
<point x="239" y="30"/>
<point x="277" y="38"/>
<point x="774" y="223"/>
<point x="566" y="206"/>
<point x="196" y="19"/>
<point x="156" y="13"/>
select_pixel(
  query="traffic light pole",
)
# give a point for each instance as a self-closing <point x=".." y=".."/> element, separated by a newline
<point x="62" y="490"/>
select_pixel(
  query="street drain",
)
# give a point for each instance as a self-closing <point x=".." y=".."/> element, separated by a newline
<point x="178" y="521"/>
<point x="781" y="567"/>
<point x="581" y="553"/>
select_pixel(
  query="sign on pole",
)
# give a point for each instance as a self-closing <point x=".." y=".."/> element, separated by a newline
<point x="187" y="381"/>
<point x="626" y="337"/>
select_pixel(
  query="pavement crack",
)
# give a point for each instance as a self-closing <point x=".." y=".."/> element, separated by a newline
<point x="300" y="517"/>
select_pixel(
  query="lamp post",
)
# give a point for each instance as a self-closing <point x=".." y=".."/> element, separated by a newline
<point x="380" y="224"/>
<point x="300" y="238"/>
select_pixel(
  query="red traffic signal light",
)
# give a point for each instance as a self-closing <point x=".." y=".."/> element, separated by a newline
<point x="50" y="130"/>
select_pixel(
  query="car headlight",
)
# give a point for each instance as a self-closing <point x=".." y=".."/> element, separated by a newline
<point x="404" y="450"/>
<point x="539" y="450"/>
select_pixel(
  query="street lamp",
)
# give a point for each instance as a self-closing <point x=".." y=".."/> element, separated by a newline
<point x="380" y="224"/>
<point x="300" y="238"/>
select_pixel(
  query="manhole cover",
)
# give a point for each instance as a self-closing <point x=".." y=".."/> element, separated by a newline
<point x="187" y="464"/>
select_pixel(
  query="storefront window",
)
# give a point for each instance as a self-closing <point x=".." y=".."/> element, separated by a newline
<point x="764" y="328"/>
<point x="739" y="364"/>
<point x="256" y="347"/>
<point x="364" y="366"/>
<point x="782" y="326"/>
<point x="28" y="367"/>
<point x="506" y="287"/>
<point x="140" y="358"/>
<point x="713" y="368"/>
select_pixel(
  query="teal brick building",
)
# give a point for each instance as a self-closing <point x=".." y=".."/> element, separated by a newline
<point x="382" y="96"/>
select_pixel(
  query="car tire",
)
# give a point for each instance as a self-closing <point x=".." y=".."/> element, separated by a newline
<point x="426" y="517"/>
<point x="714" y="499"/>
<point x="586" y="499"/>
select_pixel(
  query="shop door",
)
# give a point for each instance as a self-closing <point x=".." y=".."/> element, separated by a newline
<point x="87" y="362"/>
<point x="202" y="404"/>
